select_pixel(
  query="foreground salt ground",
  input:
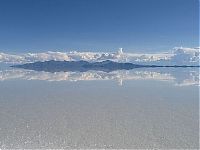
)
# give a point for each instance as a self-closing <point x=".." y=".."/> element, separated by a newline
<point x="98" y="114"/>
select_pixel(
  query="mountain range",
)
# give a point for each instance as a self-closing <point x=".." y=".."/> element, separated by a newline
<point x="83" y="66"/>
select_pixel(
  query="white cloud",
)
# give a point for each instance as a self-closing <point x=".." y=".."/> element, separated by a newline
<point x="178" y="56"/>
<point x="185" y="55"/>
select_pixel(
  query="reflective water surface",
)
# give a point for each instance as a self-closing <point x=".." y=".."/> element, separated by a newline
<point x="141" y="108"/>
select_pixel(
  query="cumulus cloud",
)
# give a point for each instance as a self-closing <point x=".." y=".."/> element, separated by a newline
<point x="178" y="56"/>
<point x="185" y="55"/>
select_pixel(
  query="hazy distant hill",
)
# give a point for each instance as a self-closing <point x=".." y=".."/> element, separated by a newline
<point x="56" y="66"/>
<point x="107" y="66"/>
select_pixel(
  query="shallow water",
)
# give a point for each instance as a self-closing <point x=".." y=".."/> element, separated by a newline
<point x="135" y="109"/>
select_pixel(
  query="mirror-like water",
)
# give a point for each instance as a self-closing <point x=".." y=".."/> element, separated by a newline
<point x="149" y="108"/>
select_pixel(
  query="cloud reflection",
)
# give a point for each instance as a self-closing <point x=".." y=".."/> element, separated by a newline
<point x="178" y="76"/>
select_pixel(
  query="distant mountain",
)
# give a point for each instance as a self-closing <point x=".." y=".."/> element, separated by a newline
<point x="82" y="66"/>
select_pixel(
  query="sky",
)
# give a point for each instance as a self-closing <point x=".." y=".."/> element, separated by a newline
<point x="98" y="25"/>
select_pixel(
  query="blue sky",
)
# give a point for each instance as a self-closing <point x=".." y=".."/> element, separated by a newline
<point x="98" y="25"/>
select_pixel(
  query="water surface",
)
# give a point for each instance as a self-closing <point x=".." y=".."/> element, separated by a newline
<point x="135" y="109"/>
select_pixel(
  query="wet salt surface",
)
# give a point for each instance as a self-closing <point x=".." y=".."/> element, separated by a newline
<point x="98" y="114"/>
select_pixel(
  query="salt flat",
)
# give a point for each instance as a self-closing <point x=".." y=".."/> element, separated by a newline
<point x="98" y="114"/>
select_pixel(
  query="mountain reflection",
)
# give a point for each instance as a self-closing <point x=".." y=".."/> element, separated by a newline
<point x="178" y="76"/>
